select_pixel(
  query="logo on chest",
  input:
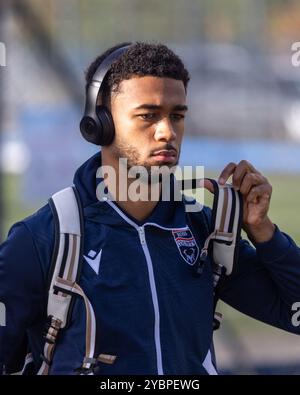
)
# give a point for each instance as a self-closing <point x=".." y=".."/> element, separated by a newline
<point x="93" y="259"/>
<point x="186" y="245"/>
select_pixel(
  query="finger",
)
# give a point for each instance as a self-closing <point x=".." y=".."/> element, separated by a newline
<point x="250" y="180"/>
<point x="260" y="192"/>
<point x="204" y="183"/>
<point x="249" y="165"/>
<point x="226" y="173"/>
<point x="241" y="170"/>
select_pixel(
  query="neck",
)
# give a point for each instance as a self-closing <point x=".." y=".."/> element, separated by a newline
<point x="133" y="196"/>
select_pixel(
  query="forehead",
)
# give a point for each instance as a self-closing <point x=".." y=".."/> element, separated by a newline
<point x="151" y="90"/>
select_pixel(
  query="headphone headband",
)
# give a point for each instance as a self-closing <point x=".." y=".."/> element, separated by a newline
<point x="97" y="125"/>
<point x="104" y="66"/>
<point x="95" y="86"/>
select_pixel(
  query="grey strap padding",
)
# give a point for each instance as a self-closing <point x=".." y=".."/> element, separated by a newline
<point x="227" y="215"/>
<point x="68" y="255"/>
<point x="66" y="265"/>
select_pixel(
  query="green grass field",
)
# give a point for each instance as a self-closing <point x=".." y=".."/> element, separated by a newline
<point x="284" y="210"/>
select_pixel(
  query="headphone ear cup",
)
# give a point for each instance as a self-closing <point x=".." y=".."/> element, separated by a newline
<point x="107" y="134"/>
<point x="89" y="128"/>
<point x="99" y="130"/>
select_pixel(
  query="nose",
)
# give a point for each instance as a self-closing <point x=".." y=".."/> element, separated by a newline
<point x="165" y="131"/>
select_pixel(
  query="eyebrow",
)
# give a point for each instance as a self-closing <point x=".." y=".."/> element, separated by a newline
<point x="178" y="107"/>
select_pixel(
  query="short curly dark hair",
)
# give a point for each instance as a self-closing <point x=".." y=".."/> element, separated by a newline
<point x="140" y="59"/>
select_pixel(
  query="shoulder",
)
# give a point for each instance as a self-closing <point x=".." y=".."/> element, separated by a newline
<point x="30" y="240"/>
<point x="198" y="216"/>
<point x="41" y="225"/>
<point x="198" y="212"/>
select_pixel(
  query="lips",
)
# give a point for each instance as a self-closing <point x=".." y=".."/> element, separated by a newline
<point x="165" y="155"/>
<point x="169" y="153"/>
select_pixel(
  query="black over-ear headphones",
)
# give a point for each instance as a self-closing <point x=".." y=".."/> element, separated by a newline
<point x="97" y="125"/>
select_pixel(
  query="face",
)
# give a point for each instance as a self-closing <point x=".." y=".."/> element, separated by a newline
<point x="148" y="114"/>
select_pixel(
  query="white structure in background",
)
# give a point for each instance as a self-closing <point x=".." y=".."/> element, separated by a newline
<point x="287" y="76"/>
<point x="2" y="54"/>
<point x="14" y="157"/>
<point x="293" y="122"/>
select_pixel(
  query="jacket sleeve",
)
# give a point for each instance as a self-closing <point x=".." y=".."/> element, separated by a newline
<point x="22" y="291"/>
<point x="266" y="281"/>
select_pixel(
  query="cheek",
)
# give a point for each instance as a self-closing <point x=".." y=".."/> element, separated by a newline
<point x="181" y="130"/>
<point x="180" y="136"/>
<point x="137" y="133"/>
<point x="122" y="122"/>
<point x="128" y="126"/>
<point x="128" y="134"/>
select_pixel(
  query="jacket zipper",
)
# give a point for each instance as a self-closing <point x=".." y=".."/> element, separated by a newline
<point x="141" y="231"/>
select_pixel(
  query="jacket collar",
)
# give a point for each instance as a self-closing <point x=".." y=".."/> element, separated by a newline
<point x="166" y="214"/>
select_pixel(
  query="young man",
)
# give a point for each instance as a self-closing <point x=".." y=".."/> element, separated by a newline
<point x="152" y="314"/>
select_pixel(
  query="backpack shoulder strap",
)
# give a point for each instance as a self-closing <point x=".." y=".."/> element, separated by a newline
<point x="224" y="231"/>
<point x="222" y="236"/>
<point x="227" y="216"/>
<point x="63" y="281"/>
<point x="66" y="259"/>
<point x="65" y="266"/>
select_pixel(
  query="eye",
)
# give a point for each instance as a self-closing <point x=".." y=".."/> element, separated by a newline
<point x="177" y="117"/>
<point x="148" y="117"/>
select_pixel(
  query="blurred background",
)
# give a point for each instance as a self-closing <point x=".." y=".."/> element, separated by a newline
<point x="244" y="99"/>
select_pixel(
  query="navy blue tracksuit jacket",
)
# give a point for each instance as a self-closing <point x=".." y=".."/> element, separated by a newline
<point x="152" y="312"/>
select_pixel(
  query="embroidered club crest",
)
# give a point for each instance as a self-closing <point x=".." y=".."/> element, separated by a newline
<point x="186" y="245"/>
